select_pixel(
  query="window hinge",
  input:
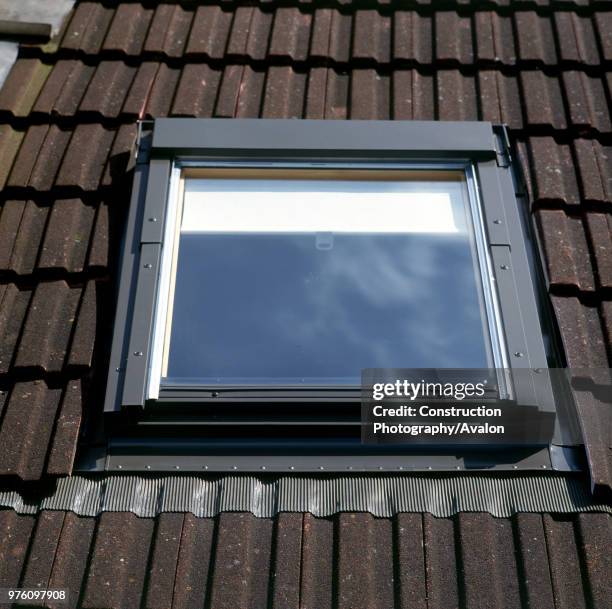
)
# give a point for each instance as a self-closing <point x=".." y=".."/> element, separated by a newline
<point x="502" y="146"/>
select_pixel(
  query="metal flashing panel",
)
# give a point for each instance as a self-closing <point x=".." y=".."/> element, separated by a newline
<point x="205" y="496"/>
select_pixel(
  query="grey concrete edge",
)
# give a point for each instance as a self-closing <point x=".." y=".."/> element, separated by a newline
<point x="382" y="496"/>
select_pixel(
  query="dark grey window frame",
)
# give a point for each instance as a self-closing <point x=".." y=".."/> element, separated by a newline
<point x="479" y="144"/>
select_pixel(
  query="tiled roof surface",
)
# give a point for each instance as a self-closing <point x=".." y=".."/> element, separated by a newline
<point x="68" y="116"/>
<point x="296" y="560"/>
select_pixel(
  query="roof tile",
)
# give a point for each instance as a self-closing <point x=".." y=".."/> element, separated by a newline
<point x="373" y="100"/>
<point x="367" y="582"/>
<point x="128" y="29"/>
<point x="372" y="36"/>
<point x="26" y="157"/>
<point x="500" y="100"/>
<point x="285" y="93"/>
<point x="576" y="38"/>
<point x="122" y="156"/>
<point x="209" y="32"/>
<point x="22" y="85"/>
<point x="71" y="556"/>
<point x="13" y="307"/>
<point x="66" y="433"/>
<point x="595" y="535"/>
<point x="603" y="25"/>
<point x="15" y="532"/>
<point x="48" y="326"/>
<point x="567" y="252"/>
<point x="120" y="555"/>
<point x="453" y="37"/>
<point x="532" y="554"/>
<point x="49" y="158"/>
<point x="563" y="556"/>
<point x="481" y="585"/>
<point x="87" y="28"/>
<point x="26" y="429"/>
<point x="543" y="100"/>
<point x="86" y="156"/>
<point x="42" y="550"/>
<point x="317" y="562"/>
<point x="67" y="236"/>
<point x="194" y="559"/>
<point x="456" y="96"/>
<point x="197" y="91"/>
<point x="286" y="564"/>
<point x="409" y="561"/>
<point x="551" y="172"/>
<point x="84" y="337"/>
<point x="494" y="38"/>
<point x="169" y="30"/>
<point x="586" y="100"/>
<point x="73" y="89"/>
<point x="139" y="92"/>
<point x="412" y="36"/>
<point x="340" y="37"/>
<point x="442" y="565"/>
<point x="108" y="88"/>
<point x="535" y="38"/>
<point x="164" y="558"/>
<point x="244" y="546"/>
<point x="290" y="34"/>
<point x="599" y="227"/>
<point x="594" y="165"/>
<point x="21" y="253"/>
<point x="162" y="92"/>
<point x="10" y="144"/>
<point x="581" y="333"/>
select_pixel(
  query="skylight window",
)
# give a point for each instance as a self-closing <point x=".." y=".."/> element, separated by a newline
<point x="307" y="277"/>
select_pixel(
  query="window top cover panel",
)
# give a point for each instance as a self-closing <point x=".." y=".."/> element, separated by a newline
<point x="307" y="277"/>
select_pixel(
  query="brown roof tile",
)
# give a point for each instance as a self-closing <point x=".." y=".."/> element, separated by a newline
<point x="535" y="38"/>
<point x="26" y="430"/>
<point x="107" y="89"/>
<point x="209" y="32"/>
<point x="581" y="332"/>
<point x="23" y="83"/>
<point x="13" y="307"/>
<point x="119" y="558"/>
<point x="169" y="30"/>
<point x="128" y="29"/>
<point x="86" y="157"/>
<point x="48" y="326"/>
<point x="197" y="91"/>
<point x="88" y="27"/>
<point x="67" y="426"/>
<point x="565" y="236"/>
<point x="10" y="143"/>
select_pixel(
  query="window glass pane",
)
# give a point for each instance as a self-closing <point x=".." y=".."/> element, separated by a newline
<point x="283" y="279"/>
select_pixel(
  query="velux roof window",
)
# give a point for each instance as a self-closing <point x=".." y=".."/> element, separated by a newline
<point x="303" y="277"/>
<point x="268" y="263"/>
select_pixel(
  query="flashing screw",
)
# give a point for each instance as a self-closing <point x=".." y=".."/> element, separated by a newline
<point x="292" y="467"/>
<point x="263" y="467"/>
<point x="148" y="266"/>
<point x="518" y="354"/>
<point x="321" y="467"/>
<point x="152" y="219"/>
<point x="543" y="466"/>
<point x="148" y="467"/>
<point x="235" y="467"/>
<point x="497" y="221"/>
<point x="138" y="353"/>
<point x="505" y="267"/>
<point x="119" y="466"/>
